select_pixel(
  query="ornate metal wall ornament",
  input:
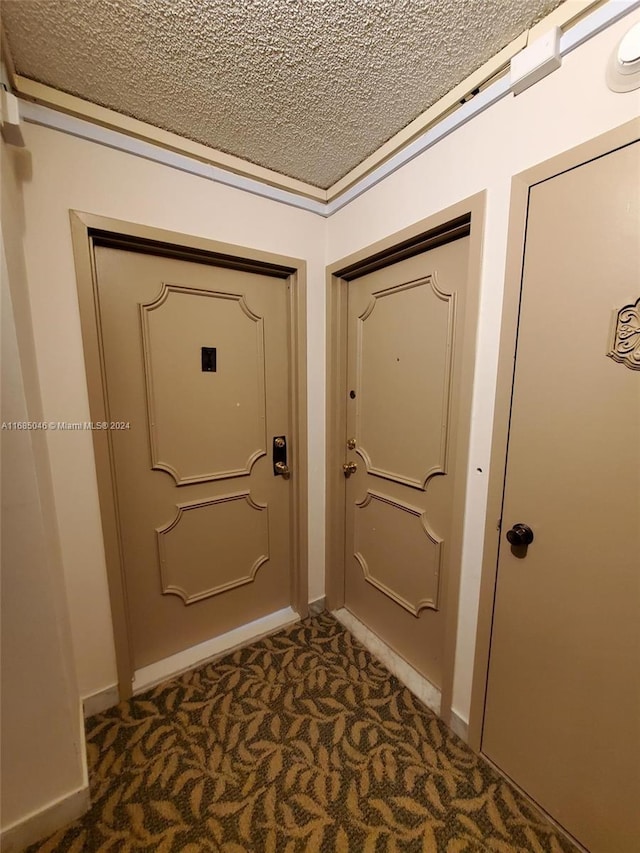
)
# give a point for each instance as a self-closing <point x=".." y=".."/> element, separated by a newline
<point x="626" y="336"/>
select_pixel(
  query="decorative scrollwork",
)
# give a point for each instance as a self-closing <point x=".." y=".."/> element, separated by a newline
<point x="626" y="336"/>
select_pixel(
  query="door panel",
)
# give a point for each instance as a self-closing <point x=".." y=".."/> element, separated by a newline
<point x="402" y="413"/>
<point x="391" y="340"/>
<point x="562" y="714"/>
<point x="180" y="443"/>
<point x="196" y="362"/>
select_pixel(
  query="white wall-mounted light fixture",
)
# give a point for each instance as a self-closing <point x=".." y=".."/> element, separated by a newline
<point x="623" y="68"/>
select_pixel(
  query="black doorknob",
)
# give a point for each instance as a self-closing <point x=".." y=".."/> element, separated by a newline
<point x="520" y="534"/>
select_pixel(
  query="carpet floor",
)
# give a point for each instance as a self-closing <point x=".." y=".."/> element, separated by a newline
<point x="299" y="742"/>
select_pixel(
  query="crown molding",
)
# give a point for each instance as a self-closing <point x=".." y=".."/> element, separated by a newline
<point x="70" y="105"/>
<point x="46" y="106"/>
<point x="443" y="108"/>
<point x="148" y="150"/>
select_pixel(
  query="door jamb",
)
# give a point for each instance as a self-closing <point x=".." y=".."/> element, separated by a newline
<point x="520" y="187"/>
<point x="88" y="230"/>
<point x="422" y="235"/>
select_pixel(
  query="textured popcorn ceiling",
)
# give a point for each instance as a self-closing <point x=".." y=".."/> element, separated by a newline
<point x="306" y="87"/>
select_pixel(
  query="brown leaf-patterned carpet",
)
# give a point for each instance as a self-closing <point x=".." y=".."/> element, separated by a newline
<point x="299" y="742"/>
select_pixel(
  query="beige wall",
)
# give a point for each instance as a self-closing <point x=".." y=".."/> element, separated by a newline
<point x="42" y="746"/>
<point x="570" y="106"/>
<point x="66" y="172"/>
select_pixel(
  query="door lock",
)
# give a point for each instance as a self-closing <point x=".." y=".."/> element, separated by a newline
<point x="280" y="467"/>
<point x="349" y="468"/>
<point x="351" y="444"/>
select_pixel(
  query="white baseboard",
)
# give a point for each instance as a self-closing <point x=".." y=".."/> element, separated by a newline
<point x="101" y="701"/>
<point x="40" y="824"/>
<point x="459" y="726"/>
<point x="156" y="673"/>
<point x="318" y="605"/>
<point x="43" y="822"/>
<point x="423" y="689"/>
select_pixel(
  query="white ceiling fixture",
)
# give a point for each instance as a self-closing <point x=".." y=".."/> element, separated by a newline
<point x="623" y="69"/>
<point x="307" y="88"/>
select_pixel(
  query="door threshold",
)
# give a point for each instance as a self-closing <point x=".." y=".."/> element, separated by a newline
<point x="423" y="689"/>
<point x="162" y="670"/>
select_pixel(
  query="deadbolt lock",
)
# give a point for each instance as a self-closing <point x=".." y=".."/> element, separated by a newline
<point x="351" y="444"/>
<point x="279" y="442"/>
<point x="349" y="468"/>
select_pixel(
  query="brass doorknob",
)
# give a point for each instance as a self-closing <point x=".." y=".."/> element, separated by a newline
<point x="349" y="468"/>
<point x="282" y="468"/>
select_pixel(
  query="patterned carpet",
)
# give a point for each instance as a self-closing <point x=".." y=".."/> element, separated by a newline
<point x="299" y="742"/>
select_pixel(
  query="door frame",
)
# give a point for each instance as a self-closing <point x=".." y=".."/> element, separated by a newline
<point x="89" y="231"/>
<point x="520" y="187"/>
<point x="421" y="236"/>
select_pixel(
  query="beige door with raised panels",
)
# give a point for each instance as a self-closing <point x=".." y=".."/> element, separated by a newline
<point x="404" y="339"/>
<point x="562" y="714"/>
<point x="196" y="375"/>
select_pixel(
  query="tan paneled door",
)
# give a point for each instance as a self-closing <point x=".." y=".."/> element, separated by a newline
<point x="197" y="380"/>
<point x="404" y="341"/>
<point x="562" y="714"/>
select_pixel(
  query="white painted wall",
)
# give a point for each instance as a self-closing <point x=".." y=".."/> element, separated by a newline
<point x="69" y="173"/>
<point x="565" y="109"/>
<point x="42" y="741"/>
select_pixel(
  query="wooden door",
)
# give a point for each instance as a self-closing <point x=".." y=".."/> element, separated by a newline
<point x="196" y="377"/>
<point x="562" y="714"/>
<point x="404" y="343"/>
